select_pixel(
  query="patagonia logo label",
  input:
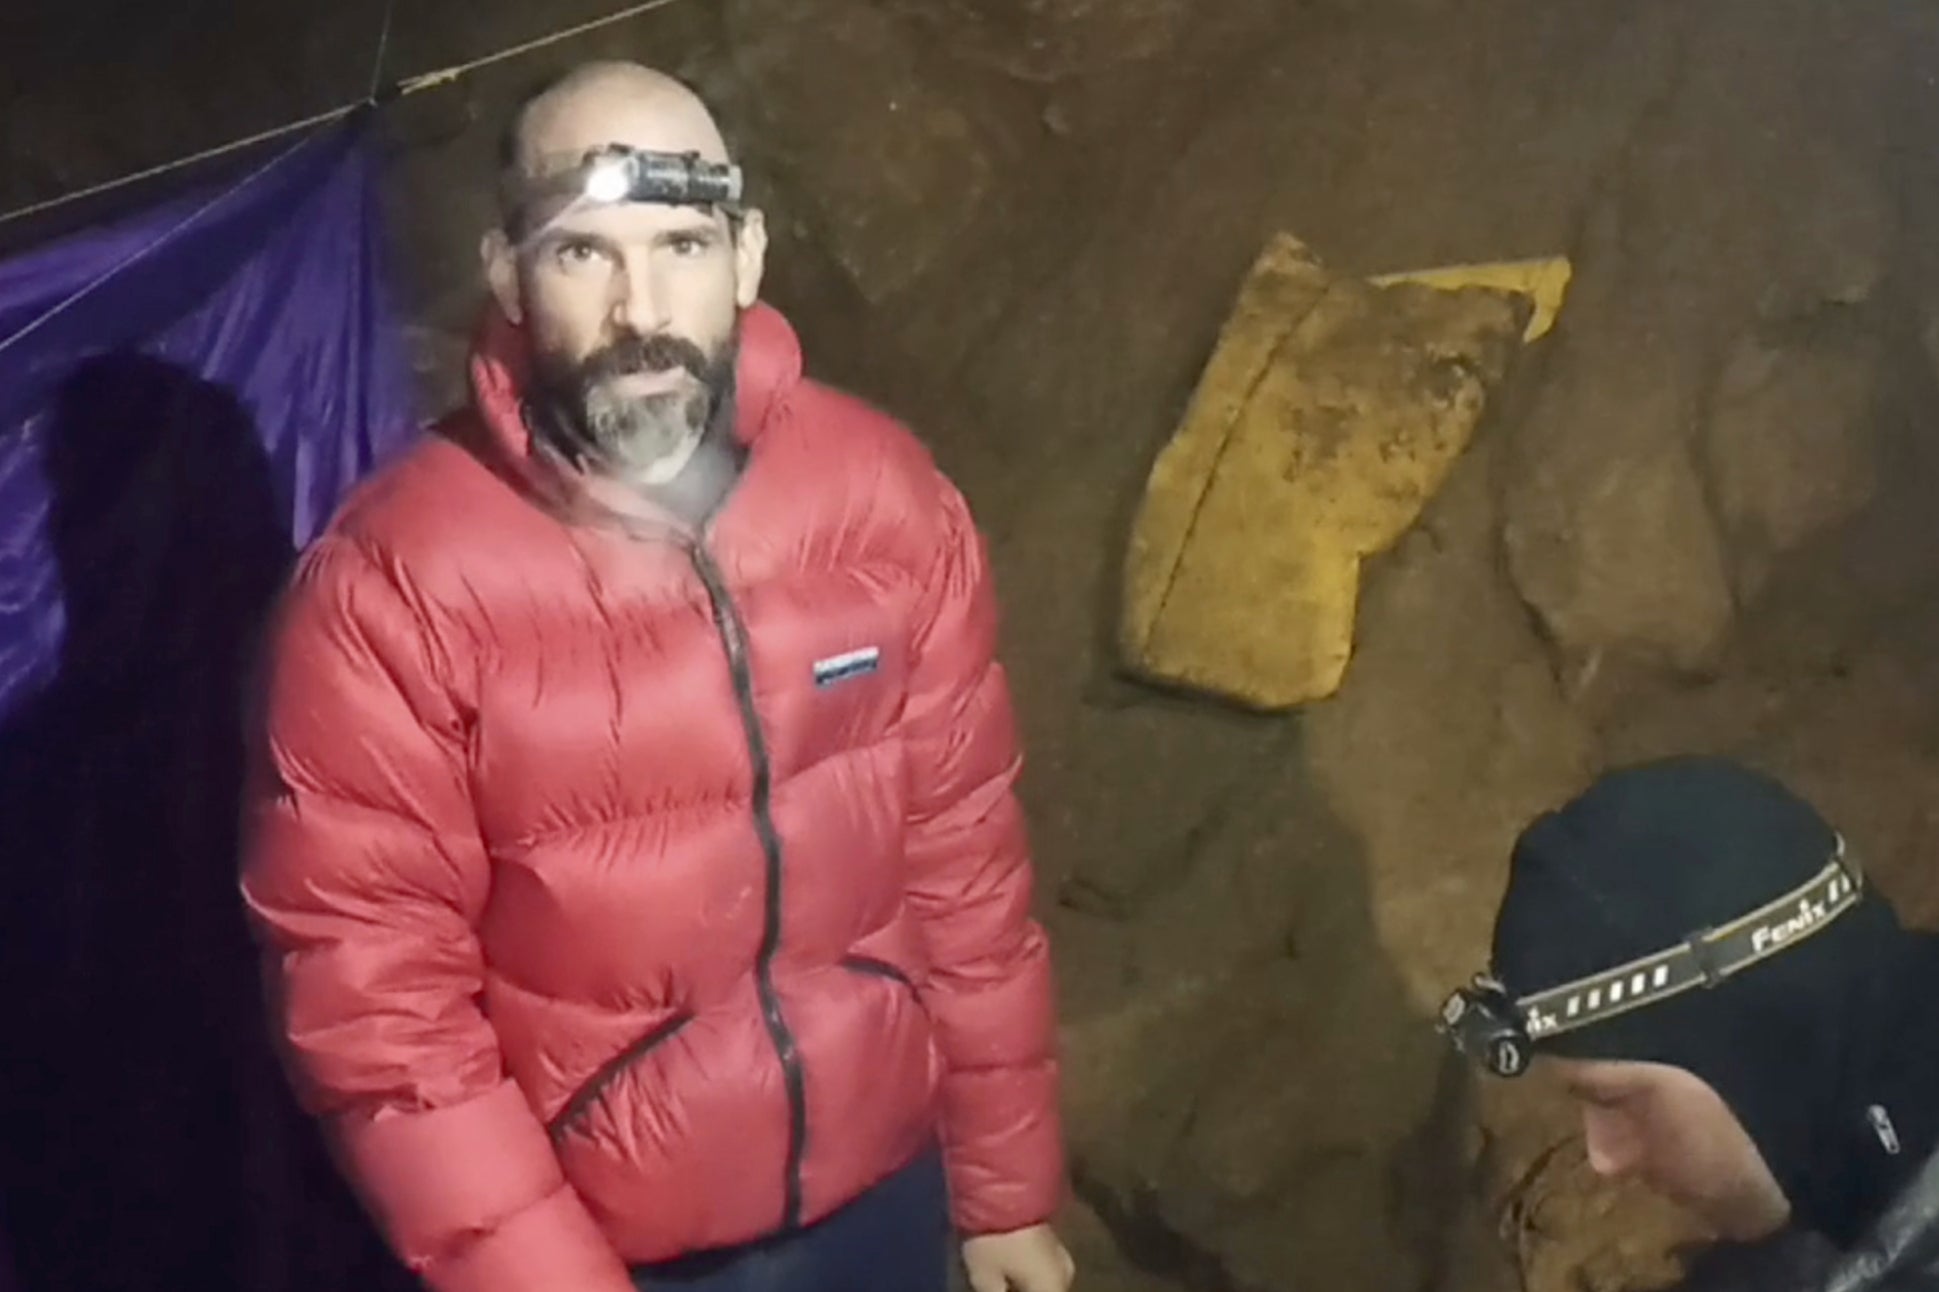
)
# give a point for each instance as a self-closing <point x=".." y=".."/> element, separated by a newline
<point x="840" y="668"/>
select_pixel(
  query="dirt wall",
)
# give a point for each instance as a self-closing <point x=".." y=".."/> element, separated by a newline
<point x="1695" y="520"/>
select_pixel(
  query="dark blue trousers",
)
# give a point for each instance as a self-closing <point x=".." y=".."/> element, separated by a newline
<point x="894" y="1238"/>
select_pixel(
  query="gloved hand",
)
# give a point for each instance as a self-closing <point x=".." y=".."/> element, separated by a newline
<point x="1024" y="1260"/>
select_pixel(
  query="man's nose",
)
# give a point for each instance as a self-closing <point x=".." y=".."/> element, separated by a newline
<point x="638" y="302"/>
<point x="1609" y="1142"/>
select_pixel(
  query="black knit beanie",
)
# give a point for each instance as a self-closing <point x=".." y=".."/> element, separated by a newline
<point x="1802" y="1045"/>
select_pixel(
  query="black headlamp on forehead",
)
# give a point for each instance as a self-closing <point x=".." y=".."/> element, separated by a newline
<point x="617" y="173"/>
<point x="1489" y="1025"/>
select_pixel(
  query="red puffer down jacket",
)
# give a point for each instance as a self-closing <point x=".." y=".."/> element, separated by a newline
<point x="626" y="896"/>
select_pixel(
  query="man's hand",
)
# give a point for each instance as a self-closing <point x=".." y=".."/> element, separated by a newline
<point x="1023" y="1260"/>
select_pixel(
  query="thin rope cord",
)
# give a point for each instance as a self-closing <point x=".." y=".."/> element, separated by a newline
<point x="428" y="79"/>
<point x="383" y="48"/>
<point x="207" y="154"/>
<point x="148" y="249"/>
<point x="409" y="85"/>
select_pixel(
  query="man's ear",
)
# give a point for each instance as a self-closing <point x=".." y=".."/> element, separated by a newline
<point x="750" y="257"/>
<point x="501" y="273"/>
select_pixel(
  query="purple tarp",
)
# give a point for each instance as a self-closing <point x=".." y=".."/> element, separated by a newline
<point x="167" y="440"/>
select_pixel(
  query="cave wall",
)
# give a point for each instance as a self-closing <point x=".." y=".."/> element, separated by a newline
<point x="1695" y="520"/>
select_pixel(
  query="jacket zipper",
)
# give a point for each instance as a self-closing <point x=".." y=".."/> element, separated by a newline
<point x="589" y="1091"/>
<point x="733" y="636"/>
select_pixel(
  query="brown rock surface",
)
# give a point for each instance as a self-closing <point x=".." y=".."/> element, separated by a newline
<point x="1257" y="916"/>
<point x="894" y="169"/>
<point x="1610" y="535"/>
<point x="1052" y="40"/>
<point x="1450" y="736"/>
<point x="1788" y="446"/>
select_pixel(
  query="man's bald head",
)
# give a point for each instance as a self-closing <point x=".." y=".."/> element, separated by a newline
<point x="601" y="103"/>
<point x="629" y="306"/>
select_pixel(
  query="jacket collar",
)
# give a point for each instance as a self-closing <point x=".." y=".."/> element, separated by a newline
<point x="768" y="369"/>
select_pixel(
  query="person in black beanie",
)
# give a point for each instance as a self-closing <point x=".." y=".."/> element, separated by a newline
<point x="1745" y="1025"/>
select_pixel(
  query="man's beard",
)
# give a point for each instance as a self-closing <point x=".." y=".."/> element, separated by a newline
<point x="648" y="439"/>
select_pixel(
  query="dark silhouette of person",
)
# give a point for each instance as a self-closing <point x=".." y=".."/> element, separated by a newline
<point x="147" y="1138"/>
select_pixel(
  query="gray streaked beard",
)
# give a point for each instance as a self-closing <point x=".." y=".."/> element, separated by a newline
<point x="576" y="410"/>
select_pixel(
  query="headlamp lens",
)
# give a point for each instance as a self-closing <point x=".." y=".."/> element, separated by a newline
<point x="609" y="180"/>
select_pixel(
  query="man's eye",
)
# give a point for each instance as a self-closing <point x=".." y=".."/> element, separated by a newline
<point x="576" y="254"/>
<point x="686" y="244"/>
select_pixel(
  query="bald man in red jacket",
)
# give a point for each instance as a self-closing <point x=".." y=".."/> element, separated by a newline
<point x="646" y="897"/>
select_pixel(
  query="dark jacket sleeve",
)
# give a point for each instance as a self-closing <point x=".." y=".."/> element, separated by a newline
<point x="1901" y="1252"/>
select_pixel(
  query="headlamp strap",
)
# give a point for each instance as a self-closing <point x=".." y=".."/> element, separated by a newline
<point x="1705" y="959"/>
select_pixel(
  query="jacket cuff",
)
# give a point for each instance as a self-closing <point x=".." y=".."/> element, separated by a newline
<point x="467" y="1188"/>
<point x="553" y="1244"/>
<point x="1012" y="1176"/>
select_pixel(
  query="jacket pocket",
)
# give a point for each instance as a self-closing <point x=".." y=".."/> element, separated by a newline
<point x="594" y="1086"/>
<point x="870" y="967"/>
